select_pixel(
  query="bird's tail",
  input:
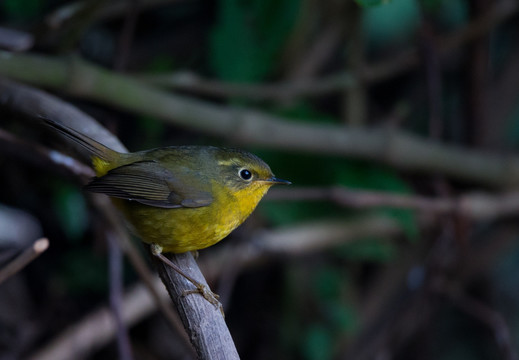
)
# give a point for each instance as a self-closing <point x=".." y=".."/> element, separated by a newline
<point x="102" y="156"/>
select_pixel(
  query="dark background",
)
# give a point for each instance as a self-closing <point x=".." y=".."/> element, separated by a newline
<point x="429" y="89"/>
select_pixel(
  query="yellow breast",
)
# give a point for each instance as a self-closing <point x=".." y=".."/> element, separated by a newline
<point x="187" y="229"/>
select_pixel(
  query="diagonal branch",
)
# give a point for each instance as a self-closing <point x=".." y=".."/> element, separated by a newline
<point x="476" y="206"/>
<point x="22" y="260"/>
<point x="390" y="146"/>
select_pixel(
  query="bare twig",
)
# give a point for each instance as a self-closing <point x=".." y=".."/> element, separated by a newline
<point x="15" y="40"/>
<point x="354" y="109"/>
<point x="127" y="34"/>
<point x="185" y="80"/>
<point x="106" y="208"/>
<point x="432" y="69"/>
<point x="110" y="10"/>
<point x="40" y="155"/>
<point x="320" y="51"/>
<point x="476" y="77"/>
<point x="99" y="328"/>
<point x="477" y="206"/>
<point x="115" y="260"/>
<point x="301" y="239"/>
<point x="489" y="317"/>
<point x="24" y="259"/>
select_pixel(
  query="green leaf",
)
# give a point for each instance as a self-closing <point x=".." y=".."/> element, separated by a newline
<point x="317" y="344"/>
<point x="394" y="23"/>
<point x="328" y="282"/>
<point x="248" y="37"/>
<point x="22" y="10"/>
<point x="373" y="249"/>
<point x="342" y="317"/>
<point x="161" y="64"/>
<point x="84" y="272"/>
<point x="71" y="209"/>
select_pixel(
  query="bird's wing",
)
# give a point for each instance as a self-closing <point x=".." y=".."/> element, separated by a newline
<point x="149" y="183"/>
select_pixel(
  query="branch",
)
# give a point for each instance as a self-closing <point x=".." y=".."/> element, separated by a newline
<point x="203" y="321"/>
<point x="98" y="328"/>
<point x="389" y="146"/>
<point x="300" y="239"/>
<point x="488" y="316"/>
<point x="202" y="331"/>
<point x="40" y="155"/>
<point x="22" y="260"/>
<point x="476" y="206"/>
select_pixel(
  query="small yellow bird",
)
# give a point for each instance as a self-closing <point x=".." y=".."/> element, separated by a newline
<point x="178" y="198"/>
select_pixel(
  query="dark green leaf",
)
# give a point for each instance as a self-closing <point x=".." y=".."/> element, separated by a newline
<point x="248" y="37"/>
<point x="71" y="209"/>
<point x="318" y="343"/>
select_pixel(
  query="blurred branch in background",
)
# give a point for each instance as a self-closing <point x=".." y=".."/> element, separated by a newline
<point x="14" y="40"/>
<point x="109" y="10"/>
<point x="99" y="328"/>
<point x="23" y="259"/>
<point x="476" y="206"/>
<point x="399" y="149"/>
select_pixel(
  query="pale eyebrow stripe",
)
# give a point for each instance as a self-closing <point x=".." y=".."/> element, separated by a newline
<point x="232" y="161"/>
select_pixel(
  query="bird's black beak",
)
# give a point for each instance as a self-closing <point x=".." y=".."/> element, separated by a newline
<point x="275" y="180"/>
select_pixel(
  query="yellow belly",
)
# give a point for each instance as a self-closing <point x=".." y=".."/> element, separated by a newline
<point x="180" y="230"/>
<point x="187" y="229"/>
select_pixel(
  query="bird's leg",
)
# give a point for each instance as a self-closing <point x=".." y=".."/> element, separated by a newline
<point x="202" y="289"/>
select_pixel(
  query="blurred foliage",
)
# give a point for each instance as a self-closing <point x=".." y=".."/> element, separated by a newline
<point x="392" y="23"/>
<point x="318" y="299"/>
<point x="22" y="10"/>
<point x="71" y="209"/>
<point x="83" y="272"/>
<point x="248" y="36"/>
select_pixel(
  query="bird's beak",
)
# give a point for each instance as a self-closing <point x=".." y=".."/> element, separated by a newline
<point x="275" y="180"/>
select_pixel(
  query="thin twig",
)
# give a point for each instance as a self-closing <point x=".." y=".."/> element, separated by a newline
<point x="489" y="317"/>
<point x="477" y="206"/>
<point x="41" y="155"/>
<point x="98" y="328"/>
<point x="126" y="35"/>
<point x="15" y="40"/>
<point x="22" y="260"/>
<point x="115" y="266"/>
<point x="112" y="9"/>
<point x="106" y="208"/>
<point x="354" y="107"/>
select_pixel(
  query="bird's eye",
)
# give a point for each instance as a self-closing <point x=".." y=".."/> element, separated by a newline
<point x="245" y="174"/>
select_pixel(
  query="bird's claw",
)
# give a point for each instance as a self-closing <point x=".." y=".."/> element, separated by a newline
<point x="210" y="296"/>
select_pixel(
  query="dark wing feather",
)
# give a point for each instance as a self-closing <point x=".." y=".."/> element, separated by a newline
<point x="149" y="183"/>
